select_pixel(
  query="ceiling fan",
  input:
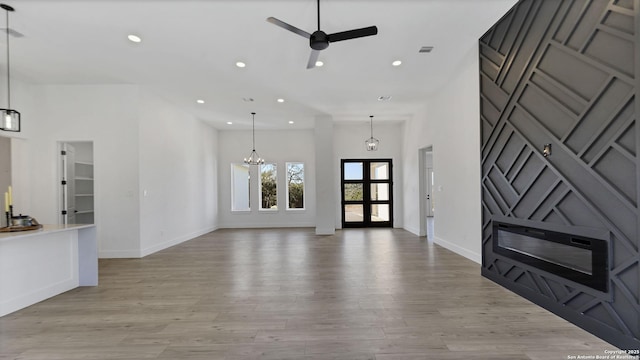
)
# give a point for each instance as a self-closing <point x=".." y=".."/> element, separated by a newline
<point x="319" y="40"/>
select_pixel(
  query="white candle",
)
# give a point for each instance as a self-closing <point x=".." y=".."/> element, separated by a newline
<point x="6" y="202"/>
<point x="10" y="196"/>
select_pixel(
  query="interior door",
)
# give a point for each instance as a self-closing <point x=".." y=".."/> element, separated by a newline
<point x="367" y="193"/>
<point x="430" y="184"/>
<point x="68" y="184"/>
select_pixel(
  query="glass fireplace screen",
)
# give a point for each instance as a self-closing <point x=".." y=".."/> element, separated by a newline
<point x="576" y="258"/>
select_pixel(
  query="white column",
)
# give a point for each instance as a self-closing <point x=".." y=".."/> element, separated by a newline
<point x="325" y="176"/>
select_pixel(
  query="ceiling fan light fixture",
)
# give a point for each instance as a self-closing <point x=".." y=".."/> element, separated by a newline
<point x="9" y="118"/>
<point x="319" y="40"/>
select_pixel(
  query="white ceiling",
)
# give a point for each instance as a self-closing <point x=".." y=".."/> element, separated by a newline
<point x="189" y="49"/>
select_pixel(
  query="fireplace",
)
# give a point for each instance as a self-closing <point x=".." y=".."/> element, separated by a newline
<point x="577" y="258"/>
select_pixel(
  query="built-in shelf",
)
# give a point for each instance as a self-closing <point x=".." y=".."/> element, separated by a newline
<point x="84" y="192"/>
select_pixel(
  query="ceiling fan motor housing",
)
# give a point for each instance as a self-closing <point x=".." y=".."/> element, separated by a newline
<point x="319" y="40"/>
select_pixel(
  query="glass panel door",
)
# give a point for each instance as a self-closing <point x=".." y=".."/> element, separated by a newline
<point x="367" y="196"/>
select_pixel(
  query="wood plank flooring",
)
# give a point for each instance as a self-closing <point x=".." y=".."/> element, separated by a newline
<point x="288" y="294"/>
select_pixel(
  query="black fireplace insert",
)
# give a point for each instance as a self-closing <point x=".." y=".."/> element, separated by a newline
<point x="577" y="258"/>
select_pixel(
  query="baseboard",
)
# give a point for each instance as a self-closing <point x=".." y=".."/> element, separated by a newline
<point x="325" y="231"/>
<point x="412" y="230"/>
<point x="167" y="244"/>
<point x="267" y="225"/>
<point x="119" y="254"/>
<point x="475" y="257"/>
<point x="41" y="294"/>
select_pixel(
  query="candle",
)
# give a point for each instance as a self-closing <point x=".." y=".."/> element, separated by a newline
<point x="10" y="196"/>
<point x="6" y="202"/>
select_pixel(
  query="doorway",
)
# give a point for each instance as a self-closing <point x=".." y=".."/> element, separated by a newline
<point x="367" y="193"/>
<point x="427" y="192"/>
<point x="77" y="201"/>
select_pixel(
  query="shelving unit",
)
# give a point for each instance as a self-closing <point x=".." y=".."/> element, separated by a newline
<point x="84" y="192"/>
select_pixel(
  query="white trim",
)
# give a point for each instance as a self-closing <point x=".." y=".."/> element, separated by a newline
<point x="119" y="254"/>
<point x="152" y="249"/>
<point x="267" y="225"/>
<point x="412" y="230"/>
<point x="325" y="231"/>
<point x="38" y="295"/>
<point x="475" y="257"/>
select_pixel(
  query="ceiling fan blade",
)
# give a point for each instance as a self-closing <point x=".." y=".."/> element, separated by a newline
<point x="352" y="34"/>
<point x="313" y="58"/>
<point x="286" y="26"/>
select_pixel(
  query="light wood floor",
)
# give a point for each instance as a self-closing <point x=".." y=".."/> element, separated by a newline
<point x="288" y="294"/>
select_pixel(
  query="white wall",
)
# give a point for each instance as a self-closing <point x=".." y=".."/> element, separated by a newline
<point x="135" y="147"/>
<point x="451" y="125"/>
<point x="349" y="144"/>
<point x="178" y="175"/>
<point x="275" y="147"/>
<point x="106" y="115"/>
<point x="417" y="134"/>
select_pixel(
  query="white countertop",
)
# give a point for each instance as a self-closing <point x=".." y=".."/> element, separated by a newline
<point x="46" y="229"/>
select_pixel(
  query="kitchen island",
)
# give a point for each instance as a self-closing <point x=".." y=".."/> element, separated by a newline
<point x="38" y="264"/>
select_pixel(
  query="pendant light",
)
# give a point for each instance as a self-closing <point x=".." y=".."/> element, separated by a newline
<point x="9" y="118"/>
<point x="372" y="143"/>
<point x="254" y="158"/>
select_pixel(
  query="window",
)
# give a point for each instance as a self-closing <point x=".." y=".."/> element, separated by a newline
<point x="240" y="193"/>
<point x="295" y="186"/>
<point x="268" y="187"/>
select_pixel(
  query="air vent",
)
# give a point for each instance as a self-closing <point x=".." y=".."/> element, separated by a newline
<point x="247" y="99"/>
<point x="426" y="49"/>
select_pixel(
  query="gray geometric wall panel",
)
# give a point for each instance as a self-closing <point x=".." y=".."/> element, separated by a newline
<point x="564" y="73"/>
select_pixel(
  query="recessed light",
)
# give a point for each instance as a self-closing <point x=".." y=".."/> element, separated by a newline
<point x="229" y="123"/>
<point x="134" y="38"/>
<point x="319" y="63"/>
<point x="384" y="98"/>
<point x="291" y="122"/>
<point x="280" y="100"/>
<point x="396" y="63"/>
<point x="200" y="101"/>
<point x="240" y="64"/>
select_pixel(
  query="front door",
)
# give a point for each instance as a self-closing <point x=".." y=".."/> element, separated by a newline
<point x="367" y="193"/>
